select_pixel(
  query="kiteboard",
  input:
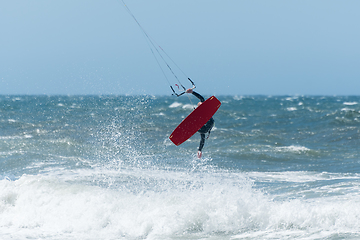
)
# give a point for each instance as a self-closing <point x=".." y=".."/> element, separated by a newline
<point x="195" y="120"/>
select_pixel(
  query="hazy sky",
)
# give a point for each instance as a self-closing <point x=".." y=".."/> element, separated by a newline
<point x="237" y="47"/>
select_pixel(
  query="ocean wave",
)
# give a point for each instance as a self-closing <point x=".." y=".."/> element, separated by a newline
<point x="292" y="148"/>
<point x="290" y="109"/>
<point x="175" y="105"/>
<point x="163" y="204"/>
<point x="108" y="170"/>
<point x="350" y="103"/>
<point x="24" y="136"/>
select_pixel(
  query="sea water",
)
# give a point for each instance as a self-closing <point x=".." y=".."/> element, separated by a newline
<point x="102" y="167"/>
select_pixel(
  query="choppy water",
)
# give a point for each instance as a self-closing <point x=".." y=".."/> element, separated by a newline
<point x="102" y="167"/>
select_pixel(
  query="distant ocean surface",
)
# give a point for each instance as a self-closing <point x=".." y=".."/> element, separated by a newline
<point x="102" y="167"/>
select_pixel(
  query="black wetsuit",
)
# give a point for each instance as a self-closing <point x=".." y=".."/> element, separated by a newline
<point x="207" y="127"/>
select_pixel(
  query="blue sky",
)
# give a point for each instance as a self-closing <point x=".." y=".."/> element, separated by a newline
<point x="237" y="47"/>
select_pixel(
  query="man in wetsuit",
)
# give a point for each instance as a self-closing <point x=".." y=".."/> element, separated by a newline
<point x="204" y="129"/>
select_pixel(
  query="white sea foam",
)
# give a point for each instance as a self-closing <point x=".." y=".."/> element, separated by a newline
<point x="347" y="109"/>
<point x="154" y="203"/>
<point x="350" y="103"/>
<point x="290" y="109"/>
<point x="189" y="106"/>
<point x="164" y="204"/>
<point x="16" y="137"/>
<point x="159" y="114"/>
<point x="175" y="105"/>
<point x="238" y="98"/>
<point x="290" y="98"/>
<point x="292" y="148"/>
<point x="300" y="177"/>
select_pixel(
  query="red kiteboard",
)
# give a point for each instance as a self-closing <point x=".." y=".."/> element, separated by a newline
<point x="196" y="119"/>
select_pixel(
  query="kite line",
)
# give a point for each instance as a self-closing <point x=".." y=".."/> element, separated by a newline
<point x="159" y="53"/>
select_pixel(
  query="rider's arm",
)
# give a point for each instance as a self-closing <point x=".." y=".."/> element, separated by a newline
<point x="201" y="98"/>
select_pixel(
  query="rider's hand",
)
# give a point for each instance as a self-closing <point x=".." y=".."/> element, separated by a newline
<point x="189" y="90"/>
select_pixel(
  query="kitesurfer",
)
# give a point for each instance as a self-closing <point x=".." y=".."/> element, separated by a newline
<point x="204" y="129"/>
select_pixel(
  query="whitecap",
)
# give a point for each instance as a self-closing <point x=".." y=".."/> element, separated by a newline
<point x="292" y="148"/>
<point x="350" y="103"/>
<point x="188" y="106"/>
<point x="238" y="98"/>
<point x="291" y="109"/>
<point x="15" y="137"/>
<point x="159" y="114"/>
<point x="175" y="105"/>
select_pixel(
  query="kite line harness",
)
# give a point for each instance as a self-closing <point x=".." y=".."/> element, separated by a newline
<point x="159" y="54"/>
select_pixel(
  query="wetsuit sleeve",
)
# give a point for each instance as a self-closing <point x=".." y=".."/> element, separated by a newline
<point x="202" y="141"/>
<point x="201" y="98"/>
